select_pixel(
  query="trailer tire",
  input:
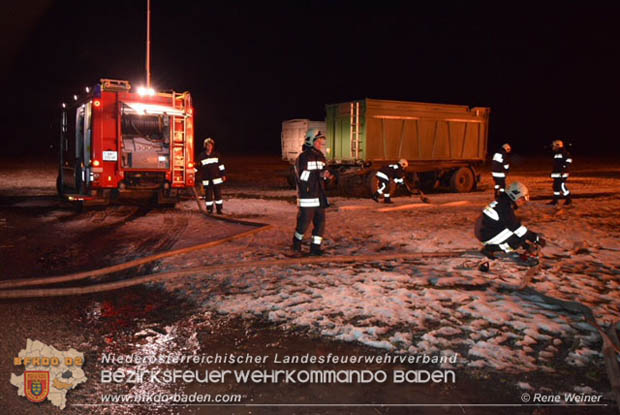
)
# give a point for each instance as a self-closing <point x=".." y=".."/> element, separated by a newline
<point x="428" y="181"/>
<point x="462" y="180"/>
<point x="291" y="178"/>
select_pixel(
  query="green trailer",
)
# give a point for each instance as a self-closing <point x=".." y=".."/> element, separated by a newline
<point x="443" y="143"/>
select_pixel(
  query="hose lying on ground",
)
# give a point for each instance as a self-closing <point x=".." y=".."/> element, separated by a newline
<point x="26" y="282"/>
<point x="110" y="286"/>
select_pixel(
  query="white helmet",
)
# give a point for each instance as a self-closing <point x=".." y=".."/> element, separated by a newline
<point x="557" y="144"/>
<point x="403" y="163"/>
<point x="507" y="147"/>
<point x="517" y="191"/>
<point x="207" y="141"/>
<point x="312" y="135"/>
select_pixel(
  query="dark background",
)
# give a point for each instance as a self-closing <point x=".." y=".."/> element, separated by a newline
<point x="547" y="72"/>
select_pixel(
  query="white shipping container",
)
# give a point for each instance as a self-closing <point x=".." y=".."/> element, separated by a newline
<point x="293" y="135"/>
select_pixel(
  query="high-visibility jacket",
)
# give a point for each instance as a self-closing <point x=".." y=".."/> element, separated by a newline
<point x="211" y="168"/>
<point x="392" y="172"/>
<point x="500" y="166"/>
<point x="498" y="225"/>
<point x="561" y="162"/>
<point x="309" y="167"/>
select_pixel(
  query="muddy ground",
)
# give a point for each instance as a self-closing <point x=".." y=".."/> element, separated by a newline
<point x="42" y="236"/>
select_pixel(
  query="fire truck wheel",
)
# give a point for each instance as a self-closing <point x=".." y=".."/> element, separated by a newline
<point x="60" y="188"/>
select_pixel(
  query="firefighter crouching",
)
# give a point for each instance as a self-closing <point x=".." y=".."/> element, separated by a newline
<point x="395" y="172"/>
<point x="499" y="229"/>
<point x="311" y="176"/>
<point x="500" y="167"/>
<point x="213" y="174"/>
<point x="561" y="162"/>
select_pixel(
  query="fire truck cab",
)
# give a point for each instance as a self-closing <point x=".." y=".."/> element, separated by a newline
<point x="117" y="141"/>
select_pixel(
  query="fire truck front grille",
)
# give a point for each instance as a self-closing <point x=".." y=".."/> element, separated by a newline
<point x="144" y="180"/>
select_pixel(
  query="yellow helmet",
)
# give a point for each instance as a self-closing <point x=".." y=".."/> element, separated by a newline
<point x="507" y="147"/>
<point x="557" y="144"/>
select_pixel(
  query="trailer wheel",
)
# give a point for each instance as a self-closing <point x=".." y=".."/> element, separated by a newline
<point x="462" y="180"/>
<point x="373" y="184"/>
<point x="291" y="178"/>
<point x="428" y="181"/>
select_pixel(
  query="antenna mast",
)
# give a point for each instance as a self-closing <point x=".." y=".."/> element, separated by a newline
<point x="148" y="43"/>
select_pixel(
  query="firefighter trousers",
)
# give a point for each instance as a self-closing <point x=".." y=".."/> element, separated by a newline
<point x="383" y="187"/>
<point x="500" y="185"/>
<point x="210" y="191"/>
<point x="559" y="188"/>
<point x="316" y="215"/>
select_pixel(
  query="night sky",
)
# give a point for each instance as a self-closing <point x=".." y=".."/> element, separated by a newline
<point x="547" y="72"/>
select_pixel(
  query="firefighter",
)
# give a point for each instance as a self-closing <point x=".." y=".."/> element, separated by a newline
<point x="395" y="172"/>
<point x="500" y="167"/>
<point x="561" y="162"/>
<point x="213" y="174"/>
<point x="499" y="229"/>
<point x="311" y="176"/>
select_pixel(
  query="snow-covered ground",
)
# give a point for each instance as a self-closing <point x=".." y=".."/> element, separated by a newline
<point x="431" y="305"/>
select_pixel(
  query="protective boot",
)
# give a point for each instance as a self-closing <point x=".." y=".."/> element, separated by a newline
<point x="209" y="208"/>
<point x="487" y="251"/>
<point x="388" y="200"/>
<point x="296" y="244"/>
<point x="315" y="249"/>
<point x="219" y="209"/>
<point x="568" y="201"/>
<point x="375" y="197"/>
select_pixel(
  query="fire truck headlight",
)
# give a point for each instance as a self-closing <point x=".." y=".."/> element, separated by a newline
<point x="96" y="163"/>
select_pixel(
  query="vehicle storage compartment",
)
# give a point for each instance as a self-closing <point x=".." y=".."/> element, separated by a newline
<point x="146" y="141"/>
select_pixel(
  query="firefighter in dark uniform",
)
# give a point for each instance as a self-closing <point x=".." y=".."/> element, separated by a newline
<point x="395" y="172"/>
<point x="213" y="174"/>
<point x="311" y="176"/>
<point x="561" y="162"/>
<point x="500" y="166"/>
<point x="499" y="229"/>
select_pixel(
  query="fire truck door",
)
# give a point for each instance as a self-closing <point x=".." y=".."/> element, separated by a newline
<point x="88" y="134"/>
<point x="83" y="132"/>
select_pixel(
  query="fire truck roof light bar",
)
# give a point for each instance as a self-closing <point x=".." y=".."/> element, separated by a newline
<point x="146" y="91"/>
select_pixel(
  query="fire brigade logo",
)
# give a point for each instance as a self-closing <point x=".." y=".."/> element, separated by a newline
<point x="36" y="385"/>
<point x="49" y="374"/>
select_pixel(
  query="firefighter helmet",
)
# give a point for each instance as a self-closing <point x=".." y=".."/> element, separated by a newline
<point x="507" y="147"/>
<point x="312" y="135"/>
<point x="517" y="191"/>
<point x="403" y="163"/>
<point x="557" y="144"/>
<point x="207" y="141"/>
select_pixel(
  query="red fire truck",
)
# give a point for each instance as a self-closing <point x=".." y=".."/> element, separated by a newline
<point x="116" y="141"/>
